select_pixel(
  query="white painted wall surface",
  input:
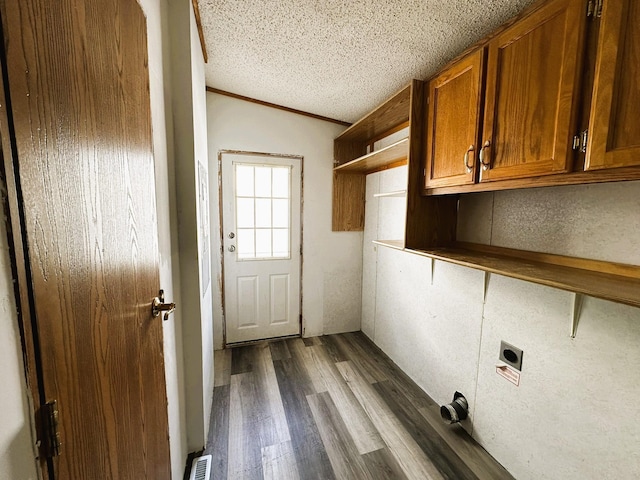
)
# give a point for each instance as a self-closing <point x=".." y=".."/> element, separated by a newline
<point x="575" y="414"/>
<point x="17" y="457"/>
<point x="189" y="140"/>
<point x="158" y="46"/>
<point x="332" y="261"/>
<point x="201" y="155"/>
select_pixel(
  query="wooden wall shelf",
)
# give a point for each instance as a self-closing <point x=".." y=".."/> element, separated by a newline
<point x="397" y="193"/>
<point x="609" y="281"/>
<point x="379" y="121"/>
<point x="392" y="156"/>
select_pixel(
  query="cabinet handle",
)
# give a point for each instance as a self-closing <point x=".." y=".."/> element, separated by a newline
<point x="485" y="165"/>
<point x="466" y="159"/>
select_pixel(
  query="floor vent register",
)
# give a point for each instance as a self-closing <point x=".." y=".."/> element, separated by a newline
<point x="201" y="468"/>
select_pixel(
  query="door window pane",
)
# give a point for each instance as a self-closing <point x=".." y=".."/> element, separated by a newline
<point x="244" y="213"/>
<point x="263" y="181"/>
<point x="281" y="213"/>
<point x="263" y="211"/>
<point x="281" y="182"/>
<point x="263" y="243"/>
<point x="246" y="243"/>
<point x="244" y="181"/>
<point x="281" y="242"/>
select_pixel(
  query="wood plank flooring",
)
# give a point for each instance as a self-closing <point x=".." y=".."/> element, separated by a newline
<point x="331" y="407"/>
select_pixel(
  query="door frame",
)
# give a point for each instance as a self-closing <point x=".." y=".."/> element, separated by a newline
<point x="12" y="205"/>
<point x="221" y="235"/>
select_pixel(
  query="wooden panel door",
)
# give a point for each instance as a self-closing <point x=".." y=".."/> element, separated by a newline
<point x="614" y="124"/>
<point x="532" y="90"/>
<point x="453" y="123"/>
<point x="78" y="91"/>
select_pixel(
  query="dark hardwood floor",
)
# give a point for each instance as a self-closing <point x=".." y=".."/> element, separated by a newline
<point x="331" y="407"/>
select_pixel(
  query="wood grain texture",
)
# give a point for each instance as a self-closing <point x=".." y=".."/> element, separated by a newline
<point x="614" y="128"/>
<point x="364" y="434"/>
<point x="196" y="14"/>
<point x="428" y="222"/>
<point x="311" y="456"/>
<point x="218" y="441"/>
<point x="532" y="90"/>
<point x="276" y="106"/>
<point x="279" y="350"/>
<point x="574" y="178"/>
<point x="19" y="262"/>
<point x="453" y="123"/>
<point x="348" y="202"/>
<point x="343" y="453"/>
<point x="405" y="450"/>
<point x="616" y="288"/>
<point x="244" y="458"/>
<point x="222" y="367"/>
<point x="81" y="112"/>
<point x="467" y="449"/>
<point x="383" y="118"/>
<point x="275" y="421"/>
<point x="323" y="395"/>
<point x="394" y="154"/>
<point x="383" y="466"/>
<point x="279" y="462"/>
<point x="448" y="462"/>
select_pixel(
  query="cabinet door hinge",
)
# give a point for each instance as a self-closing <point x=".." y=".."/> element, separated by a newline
<point x="50" y="418"/>
<point x="580" y="141"/>
<point x="594" y="8"/>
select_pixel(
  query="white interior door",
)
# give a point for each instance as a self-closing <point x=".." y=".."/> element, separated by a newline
<point x="261" y="244"/>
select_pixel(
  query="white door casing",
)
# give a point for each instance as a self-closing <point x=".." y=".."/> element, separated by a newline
<point x="261" y="235"/>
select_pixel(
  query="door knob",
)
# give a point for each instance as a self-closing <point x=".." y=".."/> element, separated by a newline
<point x="232" y="248"/>
<point x="158" y="306"/>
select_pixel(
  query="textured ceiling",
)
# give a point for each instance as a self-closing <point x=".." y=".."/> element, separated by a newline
<point x="338" y="58"/>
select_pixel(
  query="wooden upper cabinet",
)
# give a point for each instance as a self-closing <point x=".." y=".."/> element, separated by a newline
<point x="614" y="124"/>
<point x="533" y="70"/>
<point x="453" y="123"/>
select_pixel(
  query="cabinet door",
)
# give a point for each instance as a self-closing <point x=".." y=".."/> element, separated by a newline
<point x="533" y="69"/>
<point x="453" y="123"/>
<point x="614" y="124"/>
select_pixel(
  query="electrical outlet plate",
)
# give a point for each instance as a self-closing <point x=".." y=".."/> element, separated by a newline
<point x="511" y="355"/>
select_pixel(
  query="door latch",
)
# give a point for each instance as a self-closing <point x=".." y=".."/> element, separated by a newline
<point x="158" y="306"/>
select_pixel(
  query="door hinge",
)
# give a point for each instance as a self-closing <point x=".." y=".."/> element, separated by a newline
<point x="594" y="8"/>
<point x="50" y="421"/>
<point x="580" y="141"/>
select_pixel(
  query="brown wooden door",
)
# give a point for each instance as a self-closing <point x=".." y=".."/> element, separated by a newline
<point x="78" y="84"/>
<point x="532" y="90"/>
<point x="614" y="125"/>
<point x="453" y="123"/>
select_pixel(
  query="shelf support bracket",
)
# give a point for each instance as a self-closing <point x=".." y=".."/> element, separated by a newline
<point x="433" y="268"/>
<point x="485" y="286"/>
<point x="575" y="313"/>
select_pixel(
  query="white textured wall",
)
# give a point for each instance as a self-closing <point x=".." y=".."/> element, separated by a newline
<point x="17" y="458"/>
<point x="190" y="147"/>
<point x="201" y="156"/>
<point x="156" y="12"/>
<point x="332" y="261"/>
<point x="575" y="414"/>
